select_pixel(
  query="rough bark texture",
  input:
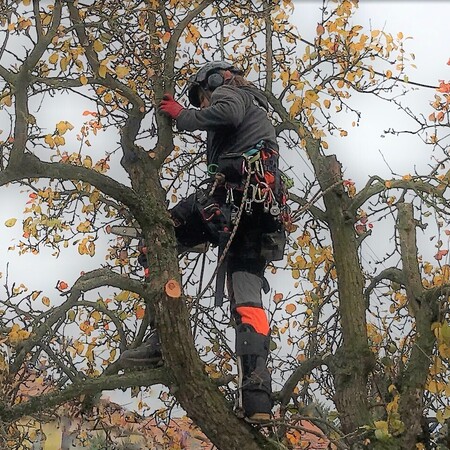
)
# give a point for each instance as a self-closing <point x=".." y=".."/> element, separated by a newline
<point x="353" y="360"/>
<point x="412" y="381"/>
<point x="197" y="394"/>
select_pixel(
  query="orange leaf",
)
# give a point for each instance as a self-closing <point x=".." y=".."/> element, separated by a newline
<point x="290" y="308"/>
<point x="173" y="289"/>
<point x="440" y="254"/>
<point x="140" y="312"/>
<point x="62" y="285"/>
<point x="278" y="297"/>
<point x="444" y="87"/>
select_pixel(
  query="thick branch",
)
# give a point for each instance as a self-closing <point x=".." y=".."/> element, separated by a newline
<point x="30" y="166"/>
<point x="391" y="273"/>
<point x="85" y="387"/>
<point x="376" y="185"/>
<point x="302" y="370"/>
<point x="307" y="206"/>
<point x="91" y="280"/>
<point x="406" y="225"/>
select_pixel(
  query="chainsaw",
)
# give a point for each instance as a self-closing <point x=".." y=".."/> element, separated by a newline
<point x="136" y="233"/>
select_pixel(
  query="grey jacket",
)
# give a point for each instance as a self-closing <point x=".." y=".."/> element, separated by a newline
<point x="235" y="121"/>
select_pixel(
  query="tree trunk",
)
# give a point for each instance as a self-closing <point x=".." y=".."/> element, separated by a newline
<point x="354" y="360"/>
<point x="196" y="393"/>
<point x="412" y="380"/>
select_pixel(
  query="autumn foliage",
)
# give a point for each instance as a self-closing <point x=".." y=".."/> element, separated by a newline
<point x="359" y="352"/>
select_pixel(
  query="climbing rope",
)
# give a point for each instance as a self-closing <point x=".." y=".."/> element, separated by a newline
<point x="235" y="228"/>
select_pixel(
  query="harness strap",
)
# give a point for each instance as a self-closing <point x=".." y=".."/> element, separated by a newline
<point x="221" y="269"/>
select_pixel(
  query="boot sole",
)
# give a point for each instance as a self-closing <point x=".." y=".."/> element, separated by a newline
<point x="258" y="418"/>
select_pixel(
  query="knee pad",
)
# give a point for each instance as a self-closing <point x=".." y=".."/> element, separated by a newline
<point x="249" y="342"/>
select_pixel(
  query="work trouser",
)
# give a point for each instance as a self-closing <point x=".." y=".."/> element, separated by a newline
<point x="245" y="278"/>
<point x="245" y="275"/>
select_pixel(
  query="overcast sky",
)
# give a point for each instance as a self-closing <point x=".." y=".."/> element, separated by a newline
<point x="427" y="23"/>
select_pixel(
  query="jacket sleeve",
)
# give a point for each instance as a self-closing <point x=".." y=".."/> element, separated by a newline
<point x="227" y="109"/>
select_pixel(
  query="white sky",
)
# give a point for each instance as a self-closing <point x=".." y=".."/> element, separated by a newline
<point x="427" y="23"/>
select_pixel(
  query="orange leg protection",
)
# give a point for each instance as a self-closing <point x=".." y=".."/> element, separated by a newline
<point x="254" y="316"/>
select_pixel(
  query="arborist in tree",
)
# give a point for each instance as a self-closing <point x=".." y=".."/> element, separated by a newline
<point x="240" y="209"/>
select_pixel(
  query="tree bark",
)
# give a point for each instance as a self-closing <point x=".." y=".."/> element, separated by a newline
<point x="353" y="360"/>
<point x="412" y="380"/>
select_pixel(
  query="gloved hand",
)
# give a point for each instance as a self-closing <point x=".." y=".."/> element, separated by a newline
<point x="170" y="107"/>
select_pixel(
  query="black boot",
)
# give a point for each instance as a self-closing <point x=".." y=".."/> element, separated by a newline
<point x="148" y="354"/>
<point x="255" y="388"/>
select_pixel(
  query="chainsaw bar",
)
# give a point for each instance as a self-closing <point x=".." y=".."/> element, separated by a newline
<point x="135" y="232"/>
<point x="132" y="232"/>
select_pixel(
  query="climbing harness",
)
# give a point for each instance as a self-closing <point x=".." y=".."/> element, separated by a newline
<point x="258" y="184"/>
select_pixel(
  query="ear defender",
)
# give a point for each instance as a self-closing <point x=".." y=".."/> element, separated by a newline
<point x="215" y="80"/>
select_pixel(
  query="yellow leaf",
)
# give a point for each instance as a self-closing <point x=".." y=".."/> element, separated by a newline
<point x="98" y="46"/>
<point x="91" y="249"/>
<point x="53" y="58"/>
<point x="63" y="63"/>
<point x="311" y="96"/>
<point x="388" y="184"/>
<point x="87" y="162"/>
<point x="295" y="108"/>
<point x="381" y="430"/>
<point x="90" y="352"/>
<point x="122" y="71"/>
<point x="49" y="140"/>
<point x="10" y="222"/>
<point x="122" y="296"/>
<point x="83" y="79"/>
<point x="62" y="126"/>
<point x="82" y="249"/>
<point x="7" y="101"/>
<point x="59" y="140"/>
<point x="326" y="103"/>
<point x="26" y="2"/>
<point x="46" y="301"/>
<point x="388" y="74"/>
<point x="400" y="35"/>
<point x="108" y="98"/>
<point x="96" y="316"/>
<point x="102" y="71"/>
<point x="84" y="227"/>
<point x="445" y="333"/>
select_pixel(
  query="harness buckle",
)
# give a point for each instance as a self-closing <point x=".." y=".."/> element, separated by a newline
<point x="248" y="206"/>
<point x="275" y="210"/>
<point x="233" y="214"/>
